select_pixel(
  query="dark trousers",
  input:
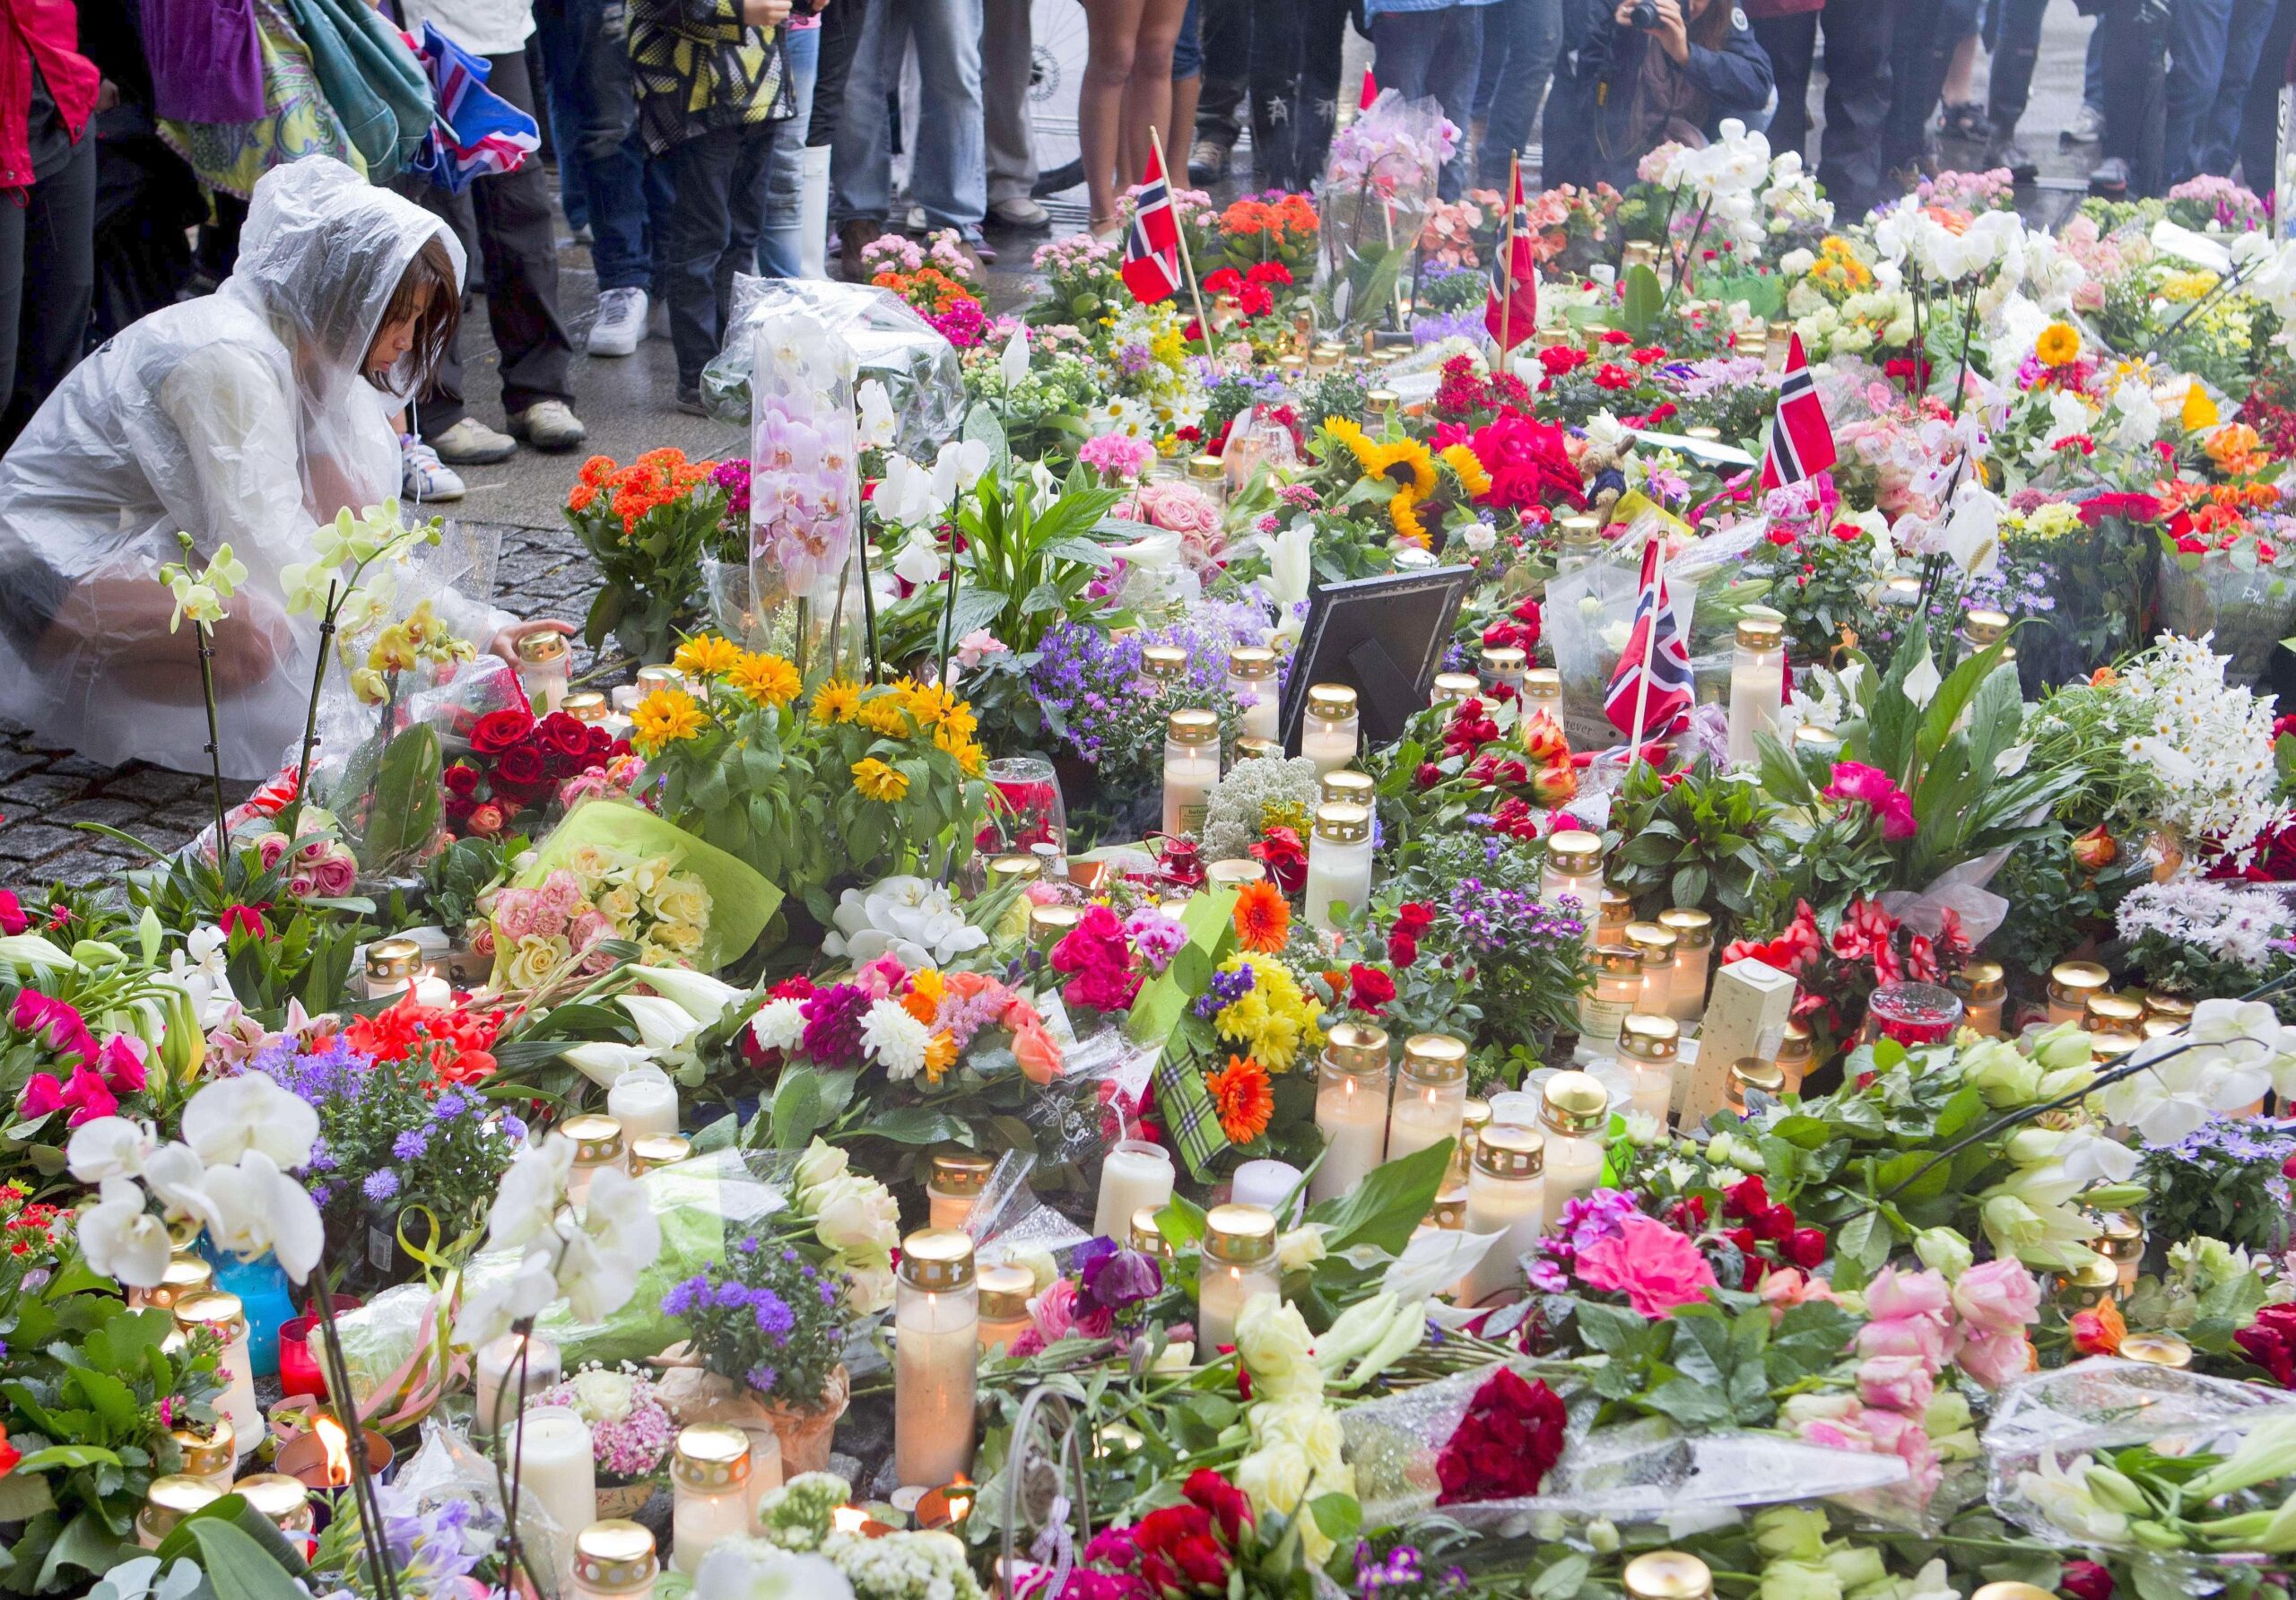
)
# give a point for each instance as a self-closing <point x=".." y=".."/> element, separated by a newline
<point x="1521" y="40"/>
<point x="1295" y="90"/>
<point x="2260" y="109"/>
<point x="1857" y="93"/>
<point x="840" y="36"/>
<point x="509" y="215"/>
<point x="1436" y="53"/>
<point x="719" y="179"/>
<point x="47" y="281"/>
<point x="1226" y="27"/>
<point x="1923" y="34"/>
<point x="2135" y="38"/>
<point x="585" y="48"/>
<point x="2013" y="38"/>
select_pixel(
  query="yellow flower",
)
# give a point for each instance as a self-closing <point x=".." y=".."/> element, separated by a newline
<point x="1406" y="463"/>
<point x="1404" y="512"/>
<point x="767" y="680"/>
<point x="883" y="713"/>
<point x="2059" y="344"/>
<point x="2199" y="411"/>
<point x="972" y="760"/>
<point x="707" y="656"/>
<point x="2186" y="285"/>
<point x="1464" y="463"/>
<point x="934" y="705"/>
<point x="878" y="781"/>
<point x="837" y="701"/>
<point x="664" y="717"/>
<point x="1274" y="1021"/>
<point x="940" y="1056"/>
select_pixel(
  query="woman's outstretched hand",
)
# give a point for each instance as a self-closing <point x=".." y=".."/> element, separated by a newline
<point x="505" y="644"/>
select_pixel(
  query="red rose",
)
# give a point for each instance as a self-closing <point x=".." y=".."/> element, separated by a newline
<point x="1617" y="335"/>
<point x="12" y="920"/>
<point x="599" y="744"/>
<point x="521" y="766"/>
<point x="1747" y="1197"/>
<point x="1369" y="989"/>
<point x="498" y="731"/>
<point x="562" y="733"/>
<point x="1561" y="358"/>
<point x="1504" y="1447"/>
<point x="460" y="779"/>
<point x="2085" y="1580"/>
<point x="1429" y="775"/>
<point x="1414" y="918"/>
<point x="486" y="822"/>
<point x="2270" y="1342"/>
<point x="1806" y="1250"/>
<point x="1285" y="857"/>
<point x="1231" y="1507"/>
<point x="1168" y="1527"/>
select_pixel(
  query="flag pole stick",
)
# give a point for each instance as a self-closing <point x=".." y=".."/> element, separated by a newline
<point x="1180" y="230"/>
<point x="1650" y="648"/>
<point x="1506" y="259"/>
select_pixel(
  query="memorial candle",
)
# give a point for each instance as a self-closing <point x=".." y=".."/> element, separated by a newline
<point x="1350" y="1107"/>
<point x="936" y="1317"/>
<point x="1137" y="1174"/>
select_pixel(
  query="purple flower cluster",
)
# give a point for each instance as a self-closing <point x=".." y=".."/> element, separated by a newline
<point x="335" y="1071"/>
<point x="1401" y="1569"/>
<point x="1433" y="328"/>
<point x="833" y="1014"/>
<point x="1494" y="920"/>
<point x="1226" y="989"/>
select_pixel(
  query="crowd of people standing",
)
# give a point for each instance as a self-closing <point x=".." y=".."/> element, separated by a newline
<point x="686" y="133"/>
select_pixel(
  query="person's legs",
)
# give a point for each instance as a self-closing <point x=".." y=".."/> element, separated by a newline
<point x="1858" y="102"/>
<point x="439" y="412"/>
<point x="603" y="138"/>
<point x="2135" y="95"/>
<point x="1148" y="93"/>
<point x="1278" y="36"/>
<point x="949" y="174"/>
<point x="1323" y="40"/>
<point x="2218" y="145"/>
<point x="1005" y="59"/>
<point x="781" y="233"/>
<point x="745" y="210"/>
<point x="1451" y="78"/>
<point x="2198" y="33"/>
<point x="1924" y="34"/>
<point x="2016" y="48"/>
<point x="13" y="298"/>
<point x="1961" y="71"/>
<point x="512" y="210"/>
<point x="1522" y="35"/>
<point x="2092" y="72"/>
<point x="1187" y="78"/>
<point x="861" y="165"/>
<point x="1789" y="42"/>
<point x="1224" y="35"/>
<point x="2259" y="141"/>
<point x="1404" y="46"/>
<point x="562" y="64"/>
<point x="840" y="33"/>
<point x="701" y="171"/>
<point x="59" y="283"/>
<point x="1113" y="32"/>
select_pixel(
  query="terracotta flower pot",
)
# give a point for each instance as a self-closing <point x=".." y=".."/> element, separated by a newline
<point x="805" y="1431"/>
<point x="799" y="1434"/>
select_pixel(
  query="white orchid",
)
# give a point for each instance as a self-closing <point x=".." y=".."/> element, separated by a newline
<point x="593" y="1262"/>
<point x="123" y="1240"/>
<point x="108" y="1147"/>
<point x="743" y="1569"/>
<point x="527" y="1203"/>
<point x="879" y="427"/>
<point x="199" y="970"/>
<point x="257" y="1208"/>
<point x="250" y="1112"/>
<point x="2222" y="1061"/>
<point x="919" y="563"/>
<point x="913" y="918"/>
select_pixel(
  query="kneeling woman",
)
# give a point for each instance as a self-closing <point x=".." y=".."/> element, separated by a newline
<point x="247" y="418"/>
<point x="1637" y="74"/>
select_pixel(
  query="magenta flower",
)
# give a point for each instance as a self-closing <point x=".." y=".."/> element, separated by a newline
<point x="1870" y="785"/>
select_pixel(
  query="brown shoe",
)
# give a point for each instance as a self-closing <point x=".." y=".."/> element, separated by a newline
<point x="854" y="234"/>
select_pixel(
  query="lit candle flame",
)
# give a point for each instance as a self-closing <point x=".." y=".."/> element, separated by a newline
<point x="959" y="1498"/>
<point x="849" y="1519"/>
<point x="336" y="1443"/>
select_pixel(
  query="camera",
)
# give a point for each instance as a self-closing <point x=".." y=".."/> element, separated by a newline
<point x="1645" y="15"/>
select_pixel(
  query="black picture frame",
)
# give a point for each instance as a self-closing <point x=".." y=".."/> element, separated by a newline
<point x="1383" y="637"/>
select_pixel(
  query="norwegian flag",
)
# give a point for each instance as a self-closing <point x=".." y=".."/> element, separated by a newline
<point x="1151" y="245"/>
<point x="1512" y="312"/>
<point x="1666" y="705"/>
<point x="1370" y="93"/>
<point x="1801" y="440"/>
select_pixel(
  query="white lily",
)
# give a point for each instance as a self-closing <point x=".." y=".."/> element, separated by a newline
<point x="603" y="1062"/>
<point x="663" y="1025"/>
<point x="702" y="998"/>
<point x="1013" y="362"/>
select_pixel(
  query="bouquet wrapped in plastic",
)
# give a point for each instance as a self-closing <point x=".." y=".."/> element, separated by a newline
<point x="1377" y="186"/>
<point x="2247" y="603"/>
<point x="890" y="343"/>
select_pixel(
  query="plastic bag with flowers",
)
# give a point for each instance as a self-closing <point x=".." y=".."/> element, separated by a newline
<point x="891" y="342"/>
<point x="614" y="870"/>
<point x="1377" y="186"/>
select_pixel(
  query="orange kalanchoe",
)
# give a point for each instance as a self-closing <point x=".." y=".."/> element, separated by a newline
<point x="1262" y="917"/>
<point x="1241" y="1095"/>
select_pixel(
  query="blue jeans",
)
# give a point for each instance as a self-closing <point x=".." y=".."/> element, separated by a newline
<point x="2213" y="48"/>
<point x="781" y="240"/>
<point x="1187" y="49"/>
<point x="949" y="173"/>
<point x="1437" y="54"/>
<point x="585" y="53"/>
<point x="1520" y="39"/>
<point x="2092" y="72"/>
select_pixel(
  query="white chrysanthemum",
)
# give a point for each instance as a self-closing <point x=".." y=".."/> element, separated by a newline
<point x="778" y="1025"/>
<point x="894" y="1039"/>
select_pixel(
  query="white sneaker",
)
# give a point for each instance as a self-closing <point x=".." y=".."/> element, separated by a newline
<point x="2088" y="126"/>
<point x="621" y="323"/>
<point x="423" y="477"/>
<point x="1020" y="212"/>
<point x="548" y="425"/>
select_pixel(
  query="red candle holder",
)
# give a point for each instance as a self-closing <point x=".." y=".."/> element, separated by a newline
<point x="1913" y="1013"/>
<point x="298" y="1358"/>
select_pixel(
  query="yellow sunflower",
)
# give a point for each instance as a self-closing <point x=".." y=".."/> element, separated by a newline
<point x="2058" y="345"/>
<point x="1404" y="512"/>
<point x="1358" y="442"/>
<point x="1468" y="468"/>
<point x="707" y="656"/>
<point x="972" y="760"/>
<point x="767" y="680"/>
<point x="664" y="717"/>
<point x="837" y="701"/>
<point x="1407" y="465"/>
<point x="877" y="781"/>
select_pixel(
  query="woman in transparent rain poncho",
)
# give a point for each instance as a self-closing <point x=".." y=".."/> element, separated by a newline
<point x="247" y="417"/>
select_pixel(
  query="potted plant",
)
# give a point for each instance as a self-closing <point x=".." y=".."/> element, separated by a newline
<point x="632" y="1430"/>
<point x="765" y="1333"/>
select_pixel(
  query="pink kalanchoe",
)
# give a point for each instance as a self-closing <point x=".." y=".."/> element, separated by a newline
<point x="1118" y="455"/>
<point x="1655" y="1267"/>
<point x="1871" y="787"/>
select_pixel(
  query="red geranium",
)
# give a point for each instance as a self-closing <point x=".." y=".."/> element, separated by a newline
<point x="1561" y="358"/>
<point x="1226" y="280"/>
<point x="1270" y="272"/>
<point x="1504" y="1447"/>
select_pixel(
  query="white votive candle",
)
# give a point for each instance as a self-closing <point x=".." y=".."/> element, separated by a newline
<point x="936" y="1351"/>
<point x="1137" y="1174"/>
<point x="614" y="1561"/>
<point x="222" y="1315"/>
<point x="1251" y="684"/>
<point x="1339" y="864"/>
<point x="1430" y="1096"/>
<point x="1327" y="732"/>
<point x="1574" y="873"/>
<point x="498" y="1373"/>
<point x="559" y="1473"/>
<point x="1191" y="768"/>
<point x="645" y="1102"/>
<point x="597" y="1145"/>
<point x="1647" y="1044"/>
<point x="1757" y="685"/>
<point x="1350" y="1107"/>
<point x="1694" y="932"/>
<point x="709" y="1473"/>
<point x="1505" y="1196"/>
<point x="1573" y="1120"/>
<point x="1267" y="1184"/>
<point x="1239" y="1262"/>
<point x="959" y="1176"/>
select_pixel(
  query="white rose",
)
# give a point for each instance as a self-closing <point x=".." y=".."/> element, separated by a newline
<point x="1310" y="1427"/>
<point x="821" y="1161"/>
<point x="1272" y="1339"/>
<point x="535" y="958"/>
<point x="1300" y="1248"/>
<point x="605" y="1397"/>
<point x="1797" y="263"/>
<point x="857" y="1217"/>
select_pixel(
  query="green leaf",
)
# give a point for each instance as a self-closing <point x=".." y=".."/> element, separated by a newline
<point x="71" y="1457"/>
<point x="1388" y="1205"/>
<point x="239" y="1565"/>
<point x="1865" y="1239"/>
<point x="915" y="1125"/>
<point x="1192" y="970"/>
<point x="1565" y="1578"/>
<point x="1339" y="1516"/>
<point x="1694" y="1405"/>
<point x="1644" y="296"/>
<point x="405" y="815"/>
<point x="799" y="1109"/>
<point x="1809" y="1338"/>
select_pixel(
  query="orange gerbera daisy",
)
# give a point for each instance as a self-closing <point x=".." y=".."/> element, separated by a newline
<point x="940" y="1056"/>
<point x="1241" y="1095"/>
<point x="1262" y="917"/>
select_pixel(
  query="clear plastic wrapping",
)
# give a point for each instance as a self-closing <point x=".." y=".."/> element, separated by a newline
<point x="890" y="343"/>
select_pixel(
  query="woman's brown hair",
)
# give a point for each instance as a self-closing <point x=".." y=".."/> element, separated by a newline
<point x="441" y="316"/>
<point x="1710" y="27"/>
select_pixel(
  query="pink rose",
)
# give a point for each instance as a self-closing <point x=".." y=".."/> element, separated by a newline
<point x="90" y="1098"/>
<point x="1994" y="1359"/>
<point x="1905" y="1437"/>
<point x="1841" y="1433"/>
<point x="1054" y="1311"/>
<point x="1038" y="1053"/>
<point x="481" y="941"/>
<point x="1898" y="1382"/>
<point x="336" y="876"/>
<point x="1654" y="1266"/>
<point x="312" y="846"/>
<point x="2001" y="1297"/>
<point x="560" y="896"/>
<point x="43" y="1093"/>
<point x="270" y="849"/>
<point x="301" y="886"/>
<point x="514" y="914"/>
<point x="882" y="977"/>
<point x="1856" y="781"/>
<point x="1894" y="1293"/>
<point x="1923" y="1339"/>
<point x="122" y="1064"/>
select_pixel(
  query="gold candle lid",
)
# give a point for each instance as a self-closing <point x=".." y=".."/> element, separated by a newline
<point x="1356" y="1047"/>
<point x="2177" y="1008"/>
<point x="1342" y="823"/>
<point x="207" y="1454"/>
<point x="1204" y="469"/>
<point x="1005" y="1292"/>
<point x="393" y="960"/>
<point x="1984" y="627"/>
<point x="649" y="1151"/>
<point x="1014" y="869"/>
<point x="1617" y="960"/>
<point x="2162" y="1027"/>
<point x="218" y="1312"/>
<point x="711" y="1455"/>
<point x="1249" y="749"/>
<point x="1638" y="252"/>
<point x="1981" y="983"/>
<point x="1667" y="1575"/>
<point x="1818" y="740"/>
<point x="1760" y="633"/>
<point x="586" y="705"/>
<point x="1542" y="683"/>
<point x="1163" y="661"/>
<point x="1475" y="1116"/>
<point x="1653" y="942"/>
<point x="1145" y="1237"/>
<point x="1574" y="853"/>
<point x="1693" y="928"/>
<point x="1238" y="1234"/>
<point x="1503" y="660"/>
<point x="1618" y="910"/>
<point x="1450" y="1212"/>
<point x="282" y="1501"/>
<point x="2156" y="1349"/>
<point x="1348" y="786"/>
<point x="1703" y="430"/>
<point x="2120" y="1236"/>
<point x="2107" y="1013"/>
<point x="1235" y="873"/>
<point x="182" y="1277"/>
<point x="1251" y="662"/>
<point x="936" y="1258"/>
<point x="961" y="1171"/>
<point x="1551" y="338"/>
<point x="1504" y="1149"/>
<point x="658" y="676"/>
<point x="183" y="1235"/>
<point x="1189" y="725"/>
<point x="2076" y="979"/>
<point x="172" y="1499"/>
<point x="1333" y="702"/>
<point x="614" y="1555"/>
<point x="1291" y="366"/>
<point x="2010" y="1589"/>
<point x="1379" y="401"/>
<point x="2091" y="1283"/>
<point x="1647" y="1036"/>
<point x="1751" y="1072"/>
<point x="537" y="648"/>
<point x="1053" y="922"/>
<point x="1456" y="686"/>
<point x="597" y="1140"/>
<point x="1794" y="1043"/>
<point x="2111" y="1047"/>
<point x="1436" y="1058"/>
<point x="1575" y="1103"/>
<point x="1580" y="527"/>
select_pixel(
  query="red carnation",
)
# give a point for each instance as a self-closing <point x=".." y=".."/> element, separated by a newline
<point x="1504" y="1447"/>
<point x="1611" y="376"/>
<point x="1231" y="1507"/>
<point x="498" y="731"/>
<point x="2270" y="1342"/>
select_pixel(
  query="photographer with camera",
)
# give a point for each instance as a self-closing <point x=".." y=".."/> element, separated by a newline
<point x="1639" y="74"/>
